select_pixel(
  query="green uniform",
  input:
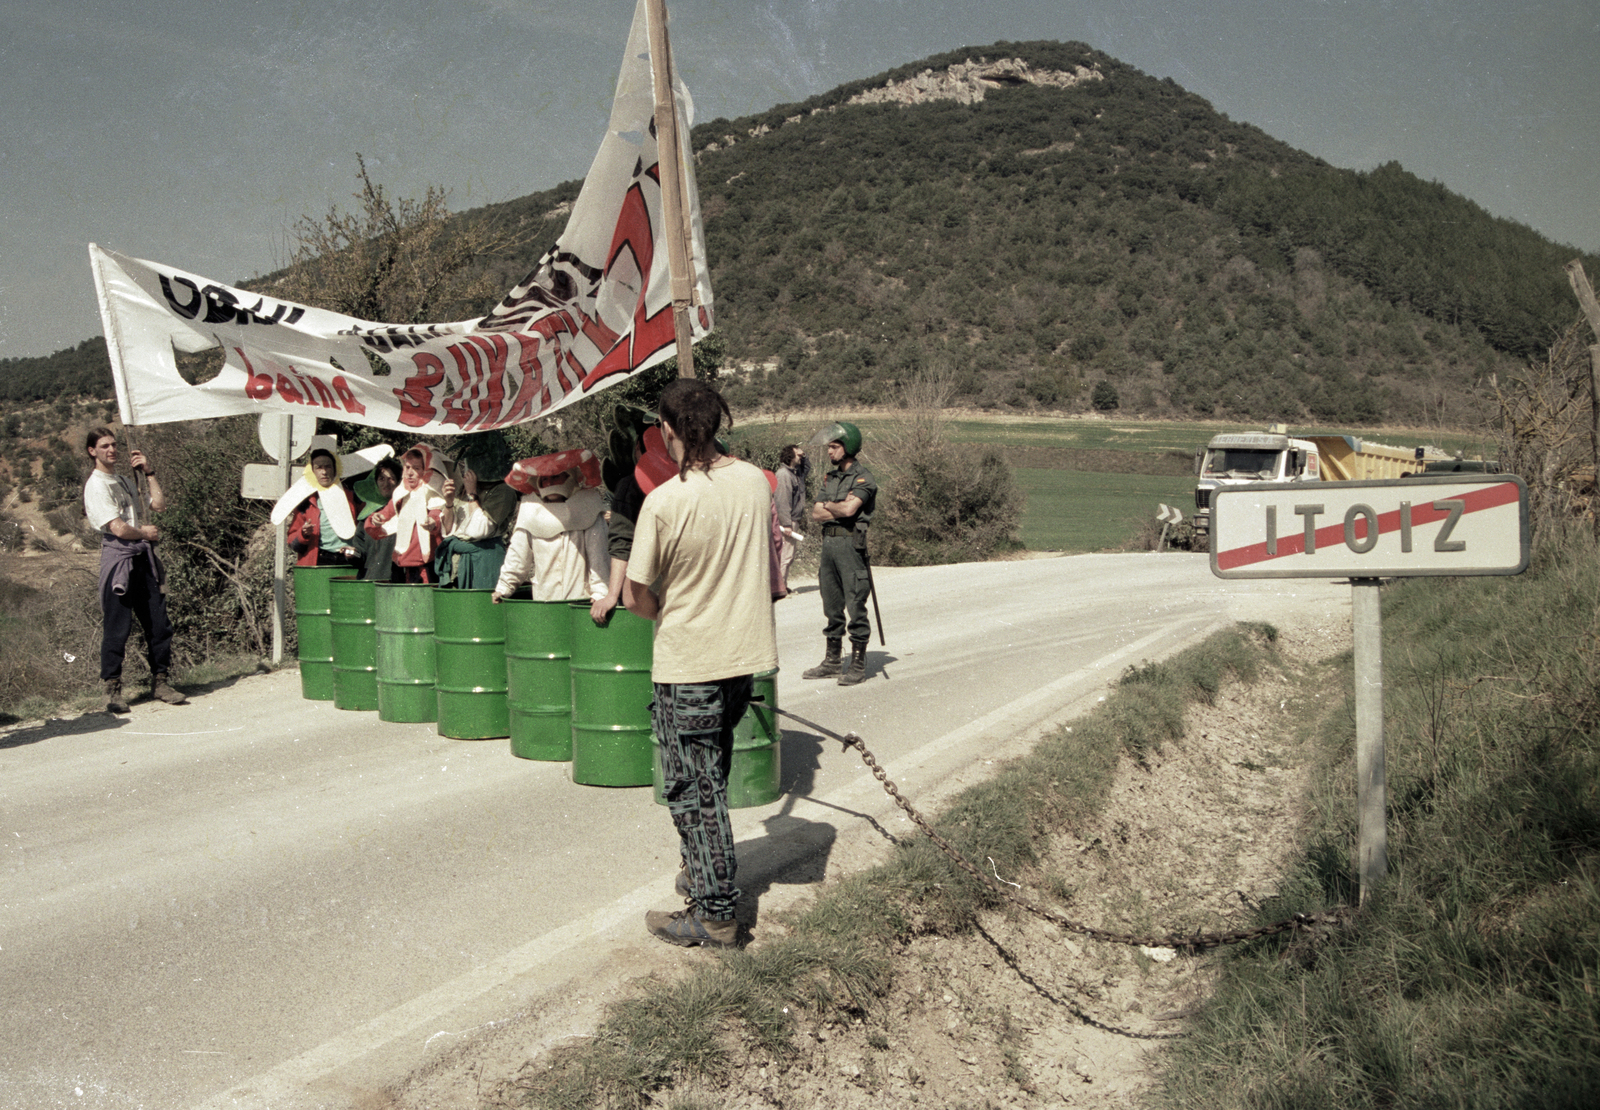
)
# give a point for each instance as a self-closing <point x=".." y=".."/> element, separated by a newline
<point x="842" y="576"/>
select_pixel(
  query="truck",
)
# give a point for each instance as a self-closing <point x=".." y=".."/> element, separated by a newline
<point x="1235" y="458"/>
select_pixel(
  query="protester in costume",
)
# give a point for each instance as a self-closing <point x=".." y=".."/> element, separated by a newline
<point x="559" y="540"/>
<point x="849" y="493"/>
<point x="478" y="508"/>
<point x="412" y="515"/>
<point x="322" y="531"/>
<point x="373" y="490"/>
<point x="701" y="568"/>
<point x="132" y="579"/>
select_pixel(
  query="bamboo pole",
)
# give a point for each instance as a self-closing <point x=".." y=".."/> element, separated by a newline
<point x="674" y="209"/>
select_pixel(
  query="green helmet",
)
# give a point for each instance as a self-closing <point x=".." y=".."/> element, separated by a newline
<point x="842" y="432"/>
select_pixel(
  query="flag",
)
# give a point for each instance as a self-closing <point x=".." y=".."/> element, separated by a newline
<point x="596" y="310"/>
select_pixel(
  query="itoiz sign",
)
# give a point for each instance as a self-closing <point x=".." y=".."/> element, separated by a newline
<point x="1447" y="524"/>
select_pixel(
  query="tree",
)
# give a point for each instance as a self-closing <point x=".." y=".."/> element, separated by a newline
<point x="1104" y="398"/>
<point x="405" y="261"/>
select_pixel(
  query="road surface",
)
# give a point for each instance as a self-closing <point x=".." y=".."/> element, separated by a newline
<point x="259" y="901"/>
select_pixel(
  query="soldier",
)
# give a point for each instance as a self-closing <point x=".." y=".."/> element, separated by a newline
<point x="848" y="494"/>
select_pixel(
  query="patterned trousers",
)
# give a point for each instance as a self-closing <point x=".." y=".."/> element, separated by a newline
<point x="694" y="725"/>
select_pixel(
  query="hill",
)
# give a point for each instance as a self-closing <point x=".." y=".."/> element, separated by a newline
<point x="1051" y="229"/>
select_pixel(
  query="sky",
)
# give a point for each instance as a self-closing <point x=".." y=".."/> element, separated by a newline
<point x="196" y="134"/>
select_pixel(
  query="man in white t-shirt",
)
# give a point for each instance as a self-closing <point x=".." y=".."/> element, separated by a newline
<point x="700" y="568"/>
<point x="132" y="580"/>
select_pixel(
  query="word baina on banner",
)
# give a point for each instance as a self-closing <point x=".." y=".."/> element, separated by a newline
<point x="597" y="309"/>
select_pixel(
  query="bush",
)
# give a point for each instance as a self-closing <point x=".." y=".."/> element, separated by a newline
<point x="939" y="502"/>
<point x="1104" y="398"/>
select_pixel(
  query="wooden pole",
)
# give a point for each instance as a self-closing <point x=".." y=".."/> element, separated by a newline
<point x="1372" y="851"/>
<point x="1591" y="310"/>
<point x="674" y="208"/>
<point x="280" y="547"/>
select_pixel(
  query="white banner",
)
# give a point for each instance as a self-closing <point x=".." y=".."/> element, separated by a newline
<point x="597" y="309"/>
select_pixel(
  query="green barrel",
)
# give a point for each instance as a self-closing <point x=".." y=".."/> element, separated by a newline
<point x="355" y="643"/>
<point x="757" y="770"/>
<point x="406" y="667"/>
<point x="539" y="678"/>
<point x="611" y="695"/>
<point x="314" y="629"/>
<point x="469" y="634"/>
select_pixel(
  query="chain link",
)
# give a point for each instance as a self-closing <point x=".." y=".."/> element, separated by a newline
<point x="1183" y="942"/>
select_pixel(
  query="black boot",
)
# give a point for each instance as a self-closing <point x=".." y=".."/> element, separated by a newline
<point x="857" y="671"/>
<point x="830" y="662"/>
<point x="115" y="702"/>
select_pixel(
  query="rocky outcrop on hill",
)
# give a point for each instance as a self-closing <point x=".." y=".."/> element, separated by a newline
<point x="969" y="81"/>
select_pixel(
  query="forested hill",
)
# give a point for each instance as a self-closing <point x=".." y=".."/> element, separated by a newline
<point x="1046" y="225"/>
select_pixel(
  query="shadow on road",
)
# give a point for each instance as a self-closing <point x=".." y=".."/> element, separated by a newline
<point x="62" y="726"/>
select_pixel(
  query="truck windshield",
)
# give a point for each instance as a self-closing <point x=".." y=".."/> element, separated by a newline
<point x="1241" y="462"/>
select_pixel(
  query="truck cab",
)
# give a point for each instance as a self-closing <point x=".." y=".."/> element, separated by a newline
<point x="1234" y="458"/>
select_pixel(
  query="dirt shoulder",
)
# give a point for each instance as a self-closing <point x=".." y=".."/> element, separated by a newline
<point x="1019" y="1014"/>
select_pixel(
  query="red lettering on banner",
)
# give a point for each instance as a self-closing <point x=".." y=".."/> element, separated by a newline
<point x="521" y="407"/>
<point x="458" y="402"/>
<point x="416" y="395"/>
<point x="347" y="397"/>
<point x="288" y="392"/>
<point x="324" y="394"/>
<point x="494" y="350"/>
<point x="650" y="334"/>
<point x="572" y="383"/>
<point x="257" y="387"/>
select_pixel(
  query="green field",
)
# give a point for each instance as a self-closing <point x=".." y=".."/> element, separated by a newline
<point x="1077" y="511"/>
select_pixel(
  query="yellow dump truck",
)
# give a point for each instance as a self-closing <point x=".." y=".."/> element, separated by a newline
<point x="1235" y="458"/>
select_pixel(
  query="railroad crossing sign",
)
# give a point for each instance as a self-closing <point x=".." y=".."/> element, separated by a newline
<point x="1444" y="524"/>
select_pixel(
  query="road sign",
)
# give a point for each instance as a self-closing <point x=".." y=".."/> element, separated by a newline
<point x="301" y="430"/>
<point x="1446" y="524"/>
<point x="262" y="482"/>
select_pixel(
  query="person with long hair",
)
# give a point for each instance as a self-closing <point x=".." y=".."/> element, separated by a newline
<point x="701" y="569"/>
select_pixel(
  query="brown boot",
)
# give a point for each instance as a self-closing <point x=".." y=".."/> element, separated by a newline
<point x="115" y="702"/>
<point x="160" y="689"/>
<point x="830" y="665"/>
<point x="683" y="927"/>
<point x="857" y="671"/>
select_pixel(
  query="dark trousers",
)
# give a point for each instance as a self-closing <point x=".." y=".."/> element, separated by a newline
<point x="694" y="725"/>
<point x="845" y="582"/>
<point x="142" y="601"/>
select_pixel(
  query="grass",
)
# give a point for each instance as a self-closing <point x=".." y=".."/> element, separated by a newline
<point x="836" y="959"/>
<point x="1473" y="976"/>
<point x="1076" y="511"/>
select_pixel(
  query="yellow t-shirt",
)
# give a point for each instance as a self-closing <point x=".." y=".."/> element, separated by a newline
<point x="703" y="547"/>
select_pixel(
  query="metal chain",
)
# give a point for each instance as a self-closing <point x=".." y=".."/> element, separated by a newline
<point x="1183" y="942"/>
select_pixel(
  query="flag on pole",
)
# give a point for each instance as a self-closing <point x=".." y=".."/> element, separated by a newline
<point x="596" y="310"/>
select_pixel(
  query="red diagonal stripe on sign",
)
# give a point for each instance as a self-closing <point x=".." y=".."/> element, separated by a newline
<point x="1490" y="497"/>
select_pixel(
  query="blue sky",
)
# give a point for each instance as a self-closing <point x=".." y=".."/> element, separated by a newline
<point x="196" y="134"/>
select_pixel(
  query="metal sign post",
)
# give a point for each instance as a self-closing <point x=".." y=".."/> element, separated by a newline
<point x="285" y="437"/>
<point x="1447" y="524"/>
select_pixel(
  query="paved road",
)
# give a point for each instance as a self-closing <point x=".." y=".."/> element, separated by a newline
<point x="258" y="901"/>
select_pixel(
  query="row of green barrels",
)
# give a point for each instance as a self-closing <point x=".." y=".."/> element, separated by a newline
<point x="561" y="687"/>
